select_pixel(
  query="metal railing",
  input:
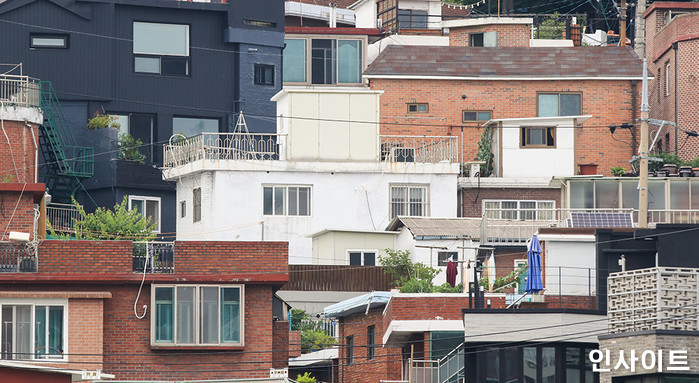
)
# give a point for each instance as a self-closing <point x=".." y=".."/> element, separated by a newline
<point x="421" y="149"/>
<point x="223" y="146"/>
<point x="20" y="90"/>
<point x="62" y="217"/>
<point x="17" y="258"/>
<point x="154" y="257"/>
<point x="328" y="326"/>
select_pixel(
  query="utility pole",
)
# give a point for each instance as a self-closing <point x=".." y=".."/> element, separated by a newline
<point x="643" y="154"/>
<point x="622" y="24"/>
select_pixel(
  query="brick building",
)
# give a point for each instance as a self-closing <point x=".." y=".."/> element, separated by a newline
<point x="672" y="52"/>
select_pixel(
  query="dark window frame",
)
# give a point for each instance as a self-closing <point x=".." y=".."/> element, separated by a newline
<point x="538" y="94"/>
<point x="464" y="111"/>
<point x="362" y="257"/>
<point x="443" y="257"/>
<point x="371" y="342"/>
<point x="416" y="106"/>
<point x="350" y="349"/>
<point x="63" y="36"/>
<point x="525" y="137"/>
<point x="416" y="19"/>
<point x="260" y="76"/>
<point x="472" y="37"/>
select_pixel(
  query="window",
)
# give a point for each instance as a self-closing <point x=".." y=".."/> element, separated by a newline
<point x="658" y="81"/>
<point x="476" y="115"/>
<point x="667" y="78"/>
<point x="197" y="315"/>
<point x="140" y="127"/>
<point x="183" y="209"/>
<point x="371" y="342"/>
<point x="412" y="19"/>
<point x="32" y="331"/>
<point x="667" y="143"/>
<point x="559" y="104"/>
<point x="444" y="256"/>
<point x="287" y="200"/>
<point x="409" y="200"/>
<point x="538" y="137"/>
<point x="350" y="349"/>
<point x="519" y="210"/>
<point x="260" y="23"/>
<point x="332" y="61"/>
<point x="362" y="257"/>
<point x="264" y="74"/>
<point x="418" y="108"/>
<point x="46" y="40"/>
<point x="196" y="205"/>
<point x="161" y="49"/>
<point x="483" y="39"/>
<point x="192" y="126"/>
<point x="148" y="207"/>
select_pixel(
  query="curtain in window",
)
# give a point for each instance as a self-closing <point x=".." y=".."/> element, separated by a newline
<point x="548" y="105"/>
<point x="55" y="330"/>
<point x="161" y="39"/>
<point x="294" y="60"/>
<point x="208" y="320"/>
<point x="230" y="315"/>
<point x="24" y="332"/>
<point x="164" y="316"/>
<point x="185" y="314"/>
<point x="40" y="319"/>
<point x="349" y="61"/>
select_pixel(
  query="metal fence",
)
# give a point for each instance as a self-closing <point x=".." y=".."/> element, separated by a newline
<point x="17" y="257"/>
<point x="421" y="149"/>
<point x="223" y="146"/>
<point x="19" y="90"/>
<point x="154" y="257"/>
<point x="337" y="278"/>
<point x="62" y="217"/>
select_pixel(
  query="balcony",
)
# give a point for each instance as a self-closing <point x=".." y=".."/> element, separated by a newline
<point x="20" y="90"/>
<point x="274" y="147"/>
<point x="17" y="257"/>
<point x="154" y="257"/>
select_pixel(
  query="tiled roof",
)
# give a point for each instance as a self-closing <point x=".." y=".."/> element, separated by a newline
<point x="421" y="61"/>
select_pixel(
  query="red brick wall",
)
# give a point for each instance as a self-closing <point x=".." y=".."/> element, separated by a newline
<point x="85" y="257"/>
<point x="508" y="35"/>
<point x="21" y="149"/>
<point x="294" y="344"/>
<point x="387" y="363"/>
<point x="280" y="344"/>
<point x="18" y="206"/>
<point x="472" y="207"/>
<point x="511" y="99"/>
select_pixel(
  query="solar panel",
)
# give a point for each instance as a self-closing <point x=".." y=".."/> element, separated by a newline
<point x="587" y="219"/>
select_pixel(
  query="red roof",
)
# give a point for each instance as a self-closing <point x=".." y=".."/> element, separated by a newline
<point x="333" y="31"/>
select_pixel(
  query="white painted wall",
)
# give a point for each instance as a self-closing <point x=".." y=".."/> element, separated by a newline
<point x="430" y="41"/>
<point x="331" y="247"/>
<point x="232" y="203"/>
<point x="531" y="162"/>
<point x="365" y="14"/>
<point x="433" y="8"/>
<point x="576" y="257"/>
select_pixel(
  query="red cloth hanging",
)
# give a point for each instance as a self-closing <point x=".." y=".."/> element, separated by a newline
<point x="451" y="273"/>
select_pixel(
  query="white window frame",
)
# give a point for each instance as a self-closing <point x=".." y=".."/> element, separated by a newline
<point x="363" y="252"/>
<point x="145" y="199"/>
<point x="196" y="321"/>
<point x="286" y="200"/>
<point x="63" y="303"/>
<point x="667" y="78"/>
<point x="518" y="210"/>
<point x="425" y="203"/>
<point x="309" y="58"/>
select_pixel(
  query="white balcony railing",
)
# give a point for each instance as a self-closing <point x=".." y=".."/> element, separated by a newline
<point x="421" y="149"/>
<point x="19" y="90"/>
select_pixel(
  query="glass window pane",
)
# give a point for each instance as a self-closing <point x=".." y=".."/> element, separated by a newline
<point x="123" y="122"/>
<point x="230" y="315"/>
<point x="268" y="200"/>
<point x="679" y="195"/>
<point x="52" y="42"/>
<point x="294" y="60"/>
<point x="323" y="61"/>
<point x="146" y="65"/>
<point x="529" y="365"/>
<point x="293" y="200"/>
<point x="208" y="320"/>
<point x="548" y="105"/>
<point x="164" y="320"/>
<point x="537" y="136"/>
<point x="492" y="366"/>
<point x="656" y="195"/>
<point x="193" y="126"/>
<point x="7" y="335"/>
<point x="355" y="258"/>
<point x="369" y="259"/>
<point x="174" y="66"/>
<point x="196" y="205"/>
<point x="570" y="105"/>
<point x="573" y="364"/>
<point x="548" y="364"/>
<point x="304" y="201"/>
<point x="484" y="116"/>
<point x="589" y="375"/>
<point x="279" y="196"/>
<point x="40" y="324"/>
<point x="399" y="196"/>
<point x="23" y="328"/>
<point x="137" y="204"/>
<point x="349" y="61"/>
<point x="470" y="116"/>
<point x="161" y="39"/>
<point x="510" y="365"/>
<point x="185" y="315"/>
<point x="606" y="194"/>
<point x="55" y="330"/>
<point x="417" y="197"/>
<point x="629" y="194"/>
<point x="153" y="211"/>
<point x="581" y="195"/>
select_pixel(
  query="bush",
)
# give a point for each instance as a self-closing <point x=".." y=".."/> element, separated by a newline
<point x="398" y="265"/>
<point x="305" y="378"/>
<point x="129" y="148"/>
<point x="314" y="340"/>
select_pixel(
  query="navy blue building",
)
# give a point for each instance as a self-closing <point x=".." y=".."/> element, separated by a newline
<point x="160" y="66"/>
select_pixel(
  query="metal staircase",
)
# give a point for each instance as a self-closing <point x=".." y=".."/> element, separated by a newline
<point x="449" y="369"/>
<point x="66" y="164"/>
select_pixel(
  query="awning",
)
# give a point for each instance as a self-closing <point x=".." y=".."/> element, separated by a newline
<point x="358" y="304"/>
<point x="399" y="331"/>
<point x="320" y="357"/>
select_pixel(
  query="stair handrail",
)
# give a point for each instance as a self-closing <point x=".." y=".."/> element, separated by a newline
<point x="453" y="353"/>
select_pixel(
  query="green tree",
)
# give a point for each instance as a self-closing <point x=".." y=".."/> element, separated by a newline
<point x="104" y="224"/>
<point x="409" y="277"/>
<point x="129" y="148"/>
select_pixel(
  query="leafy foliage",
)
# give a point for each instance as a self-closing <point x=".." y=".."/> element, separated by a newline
<point x="398" y="265"/>
<point x="313" y="338"/>
<point x="485" y="152"/>
<point x="101" y="121"/>
<point x="305" y="378"/>
<point x="129" y="148"/>
<point x="104" y="224"/>
<point x="504" y="280"/>
<point x="618" y="171"/>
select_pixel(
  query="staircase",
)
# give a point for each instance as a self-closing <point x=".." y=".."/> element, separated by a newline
<point x="449" y="369"/>
<point x="66" y="164"/>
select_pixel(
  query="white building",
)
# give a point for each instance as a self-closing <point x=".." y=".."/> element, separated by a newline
<point x="325" y="165"/>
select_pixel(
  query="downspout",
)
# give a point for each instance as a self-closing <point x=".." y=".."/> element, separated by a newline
<point x="674" y="47"/>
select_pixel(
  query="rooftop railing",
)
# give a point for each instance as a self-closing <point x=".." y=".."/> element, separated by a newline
<point x="62" y="216"/>
<point x="154" y="257"/>
<point x="421" y="149"/>
<point x="19" y="90"/>
<point x="17" y="258"/>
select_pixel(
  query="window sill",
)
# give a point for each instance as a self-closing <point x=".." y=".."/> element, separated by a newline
<point x="154" y="347"/>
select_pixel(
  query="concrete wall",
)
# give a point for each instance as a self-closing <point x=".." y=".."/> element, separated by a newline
<point x="332" y="248"/>
<point x="532" y="162"/>
<point x="578" y="265"/>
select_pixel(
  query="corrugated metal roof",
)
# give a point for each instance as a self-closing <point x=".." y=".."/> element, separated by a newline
<point x="358" y="304"/>
<point x="438" y="227"/>
<point x="538" y="62"/>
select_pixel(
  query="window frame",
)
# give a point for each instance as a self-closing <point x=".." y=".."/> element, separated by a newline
<point x="186" y="58"/>
<point x="196" y="205"/>
<point x="537" y="210"/>
<point x="414" y="18"/>
<point x="464" y="111"/>
<point x="145" y="199"/>
<point x="539" y="94"/>
<point x="179" y="118"/>
<point x="667" y="78"/>
<point x="350" y="349"/>
<point x="63" y="36"/>
<point x="33" y="303"/>
<point x="523" y="136"/>
<point x="309" y="58"/>
<point x="257" y="80"/>
<point x="285" y="206"/>
<point x="444" y="262"/>
<point x="371" y="342"/>
<point x="417" y="106"/>
<point x="363" y="252"/>
<point x="196" y="317"/>
<point x="183" y="209"/>
<point x="425" y="203"/>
